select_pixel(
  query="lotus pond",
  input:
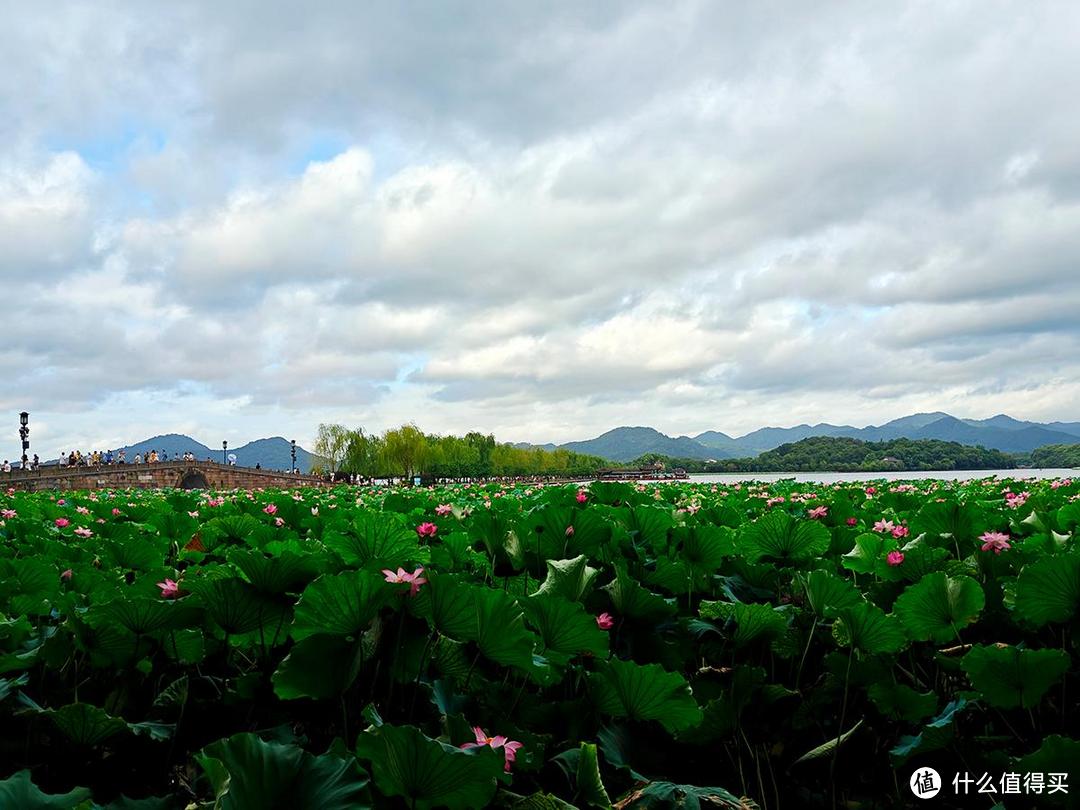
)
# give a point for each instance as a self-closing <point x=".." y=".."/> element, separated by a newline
<point x="676" y="645"/>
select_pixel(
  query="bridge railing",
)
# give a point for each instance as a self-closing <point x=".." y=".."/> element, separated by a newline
<point x="71" y="471"/>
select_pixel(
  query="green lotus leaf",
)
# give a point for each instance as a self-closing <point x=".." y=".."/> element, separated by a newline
<point x="341" y="604"/>
<point x="380" y="539"/>
<point x="935" y="735"/>
<point x="630" y="599"/>
<point x="750" y="622"/>
<point x="902" y="702"/>
<point x="572" y="578"/>
<point x="500" y="630"/>
<point x="866" y="555"/>
<point x="962" y="523"/>
<point x="450" y="602"/>
<point x="779" y="538"/>
<point x="1008" y="677"/>
<point x="644" y="692"/>
<point x="649" y="526"/>
<point x="427" y="773"/>
<point x="85" y="724"/>
<point x="279" y="574"/>
<point x="236" y="606"/>
<point x="186" y="646"/>
<point x="319" y="667"/>
<point x="828" y="747"/>
<point x="826" y="591"/>
<point x="1048" y="590"/>
<point x="1056" y="755"/>
<point x="232" y="530"/>
<point x="866" y="627"/>
<point x="144" y="614"/>
<point x="702" y="548"/>
<point x="565" y="627"/>
<point x="581" y="766"/>
<point x="938" y="606"/>
<point x="658" y="795"/>
<point x="18" y="791"/>
<point x="247" y="772"/>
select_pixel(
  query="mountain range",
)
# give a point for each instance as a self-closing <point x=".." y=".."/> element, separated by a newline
<point x="1000" y="432"/>
<point x="270" y="454"/>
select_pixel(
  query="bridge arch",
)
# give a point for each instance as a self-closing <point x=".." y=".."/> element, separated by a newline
<point x="193" y="479"/>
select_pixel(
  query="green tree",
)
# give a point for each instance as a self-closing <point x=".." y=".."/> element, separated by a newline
<point x="405" y="450"/>
<point x="331" y="442"/>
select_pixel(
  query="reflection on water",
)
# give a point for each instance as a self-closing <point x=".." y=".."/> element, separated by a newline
<point x="840" y="477"/>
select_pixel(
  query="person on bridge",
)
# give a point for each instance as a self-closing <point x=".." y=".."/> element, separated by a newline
<point x="7" y="466"/>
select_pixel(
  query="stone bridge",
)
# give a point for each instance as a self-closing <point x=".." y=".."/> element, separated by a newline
<point x="177" y="474"/>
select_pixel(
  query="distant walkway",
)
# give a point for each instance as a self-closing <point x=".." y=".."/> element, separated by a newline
<point x="175" y="474"/>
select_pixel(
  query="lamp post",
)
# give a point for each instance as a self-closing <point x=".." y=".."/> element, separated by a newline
<point x="293" y="468"/>
<point x="224" y="450"/>
<point x="24" y="435"/>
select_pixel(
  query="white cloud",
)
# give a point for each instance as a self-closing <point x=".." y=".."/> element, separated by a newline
<point x="545" y="222"/>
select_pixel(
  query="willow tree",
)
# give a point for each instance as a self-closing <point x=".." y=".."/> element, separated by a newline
<point x="405" y="450"/>
<point x="331" y="443"/>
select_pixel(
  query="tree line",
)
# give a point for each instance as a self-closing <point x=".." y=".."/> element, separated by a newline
<point x="840" y="454"/>
<point x="408" y="452"/>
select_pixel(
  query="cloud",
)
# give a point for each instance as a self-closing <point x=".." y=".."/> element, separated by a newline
<point x="543" y="222"/>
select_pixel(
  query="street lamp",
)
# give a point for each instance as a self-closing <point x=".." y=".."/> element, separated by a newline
<point x="224" y="449"/>
<point x="293" y="468"/>
<point x="24" y="435"/>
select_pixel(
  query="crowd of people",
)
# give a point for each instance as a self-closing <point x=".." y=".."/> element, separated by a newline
<point x="97" y="458"/>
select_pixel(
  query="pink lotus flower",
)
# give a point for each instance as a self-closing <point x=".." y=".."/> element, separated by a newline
<point x="871" y="491"/>
<point x="215" y="502"/>
<point x="116" y="512"/>
<point x="62" y="523"/>
<point x="884" y="526"/>
<point x="427" y="529"/>
<point x="414" y="579"/>
<point x="61" y="502"/>
<point x="569" y="531"/>
<point x="995" y="541"/>
<point x="66" y="575"/>
<point x="8" y="514"/>
<point x="443" y="509"/>
<point x="900" y="531"/>
<point x="582" y="496"/>
<point x="817" y="512"/>
<point x="894" y="558"/>
<point x="82" y="510"/>
<point x="509" y="747"/>
<point x="604" y="621"/>
<point x="279" y="522"/>
<point x="83" y="532"/>
<point x="851" y="521"/>
<point x="270" y="509"/>
<point x="169" y="589"/>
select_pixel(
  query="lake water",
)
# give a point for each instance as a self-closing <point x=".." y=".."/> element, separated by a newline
<point x="844" y="477"/>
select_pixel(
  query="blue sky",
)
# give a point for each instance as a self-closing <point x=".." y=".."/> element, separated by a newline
<point x="544" y="221"/>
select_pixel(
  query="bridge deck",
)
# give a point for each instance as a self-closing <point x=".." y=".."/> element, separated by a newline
<point x="190" y="474"/>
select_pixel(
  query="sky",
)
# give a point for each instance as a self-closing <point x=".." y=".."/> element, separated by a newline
<point x="238" y="220"/>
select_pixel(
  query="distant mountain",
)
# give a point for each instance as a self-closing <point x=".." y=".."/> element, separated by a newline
<point x="628" y="443"/>
<point x="273" y="454"/>
<point x="1008" y="439"/>
<point x="999" y="432"/>
<point x="270" y="454"/>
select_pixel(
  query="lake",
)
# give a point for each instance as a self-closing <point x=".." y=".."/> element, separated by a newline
<point x="844" y="477"/>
